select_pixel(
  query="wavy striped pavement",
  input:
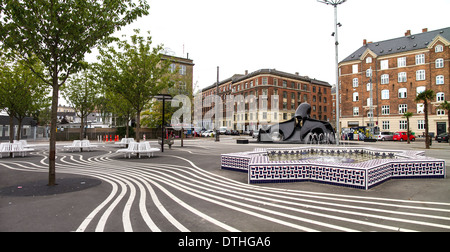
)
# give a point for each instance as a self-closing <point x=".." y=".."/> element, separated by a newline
<point x="160" y="197"/>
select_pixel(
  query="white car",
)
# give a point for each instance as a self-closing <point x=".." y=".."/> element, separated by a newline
<point x="208" y="133"/>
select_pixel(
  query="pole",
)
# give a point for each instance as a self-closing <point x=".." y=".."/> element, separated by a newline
<point x="338" y="130"/>
<point x="162" y="126"/>
<point x="217" y="108"/>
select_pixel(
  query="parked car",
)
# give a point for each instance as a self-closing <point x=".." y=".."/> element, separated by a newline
<point x="402" y="136"/>
<point x="443" y="137"/>
<point x="255" y="134"/>
<point x="208" y="133"/>
<point x="222" y="130"/>
<point x="385" y="136"/>
<point x="235" y="132"/>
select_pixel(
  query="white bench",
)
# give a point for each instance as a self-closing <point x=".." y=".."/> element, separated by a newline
<point x="125" y="141"/>
<point x="13" y="148"/>
<point x="24" y="143"/>
<point x="80" y="145"/>
<point x="138" y="148"/>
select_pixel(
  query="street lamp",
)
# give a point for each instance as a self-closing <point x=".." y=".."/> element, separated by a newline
<point x="217" y="121"/>
<point x="335" y="3"/>
<point x="163" y="98"/>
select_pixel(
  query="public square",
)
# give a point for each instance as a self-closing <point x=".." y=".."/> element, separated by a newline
<point x="184" y="189"/>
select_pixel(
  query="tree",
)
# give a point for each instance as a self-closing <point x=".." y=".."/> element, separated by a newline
<point x="59" y="33"/>
<point x="446" y="106"/>
<point x="407" y="115"/>
<point x="135" y="71"/>
<point x="426" y="97"/>
<point x="22" y="93"/>
<point x="81" y="94"/>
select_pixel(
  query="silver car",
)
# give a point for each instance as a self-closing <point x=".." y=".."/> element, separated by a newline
<point x="385" y="136"/>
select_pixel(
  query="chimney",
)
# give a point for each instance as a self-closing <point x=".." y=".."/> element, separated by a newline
<point x="246" y="72"/>
<point x="408" y="33"/>
<point x="424" y="29"/>
<point x="364" y="42"/>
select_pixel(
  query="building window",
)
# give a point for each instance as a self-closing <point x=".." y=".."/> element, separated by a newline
<point x="369" y="72"/>
<point x="355" y="82"/>
<point x="385" y="125"/>
<point x="183" y="70"/>
<point x="420" y="108"/>
<point x="401" y="62"/>
<point x="439" y="63"/>
<point x="402" y="108"/>
<point x="439" y="79"/>
<point x="421" y="124"/>
<point x="402" y="92"/>
<point x="385" y="94"/>
<point x="275" y="81"/>
<point x="354" y="69"/>
<point x="368" y="86"/>
<point x="355" y="111"/>
<point x="420" y="90"/>
<point x="284" y="83"/>
<point x="385" y="79"/>
<point x="440" y="97"/>
<point x="403" y="124"/>
<point x="385" y="110"/>
<point x="440" y="112"/>
<point x="420" y="75"/>
<point x="420" y="59"/>
<point x="355" y="96"/>
<point x="369" y="60"/>
<point x="384" y="64"/>
<point x="402" y="77"/>
<point x="264" y="80"/>
<point x="439" y="48"/>
<point x="173" y="67"/>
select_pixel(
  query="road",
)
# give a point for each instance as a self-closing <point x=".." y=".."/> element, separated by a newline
<point x="184" y="189"/>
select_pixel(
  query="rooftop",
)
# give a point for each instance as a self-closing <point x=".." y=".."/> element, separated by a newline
<point x="406" y="43"/>
<point x="240" y="77"/>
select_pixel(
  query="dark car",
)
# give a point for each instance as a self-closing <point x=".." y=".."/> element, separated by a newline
<point x="443" y="137"/>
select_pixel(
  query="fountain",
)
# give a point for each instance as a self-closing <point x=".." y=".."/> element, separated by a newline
<point x="358" y="167"/>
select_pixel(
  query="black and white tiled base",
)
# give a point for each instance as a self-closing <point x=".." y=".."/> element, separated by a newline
<point x="363" y="175"/>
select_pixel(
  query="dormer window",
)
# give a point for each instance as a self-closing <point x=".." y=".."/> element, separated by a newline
<point x="369" y="60"/>
<point x="439" y="48"/>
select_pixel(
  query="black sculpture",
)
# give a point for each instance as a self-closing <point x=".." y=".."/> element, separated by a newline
<point x="300" y="129"/>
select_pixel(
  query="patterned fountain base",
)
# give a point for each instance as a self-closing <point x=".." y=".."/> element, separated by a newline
<point x="268" y="165"/>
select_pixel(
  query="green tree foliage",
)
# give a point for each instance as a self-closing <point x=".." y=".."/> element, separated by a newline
<point x="407" y="115"/>
<point x="135" y="71"/>
<point x="446" y="106"/>
<point x="22" y="93"/>
<point x="426" y="97"/>
<point x="59" y="33"/>
<point x="81" y="94"/>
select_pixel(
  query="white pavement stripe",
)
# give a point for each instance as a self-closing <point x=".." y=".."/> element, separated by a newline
<point x="261" y="202"/>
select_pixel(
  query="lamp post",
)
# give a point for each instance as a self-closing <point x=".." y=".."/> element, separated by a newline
<point x="335" y="3"/>
<point x="217" y="109"/>
<point x="163" y="98"/>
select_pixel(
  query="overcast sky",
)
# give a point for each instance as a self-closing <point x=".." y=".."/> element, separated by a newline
<point x="289" y="35"/>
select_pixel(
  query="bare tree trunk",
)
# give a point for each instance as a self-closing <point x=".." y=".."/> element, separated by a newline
<point x="81" y="127"/>
<point x="19" y="129"/>
<point x="138" y="126"/>
<point x="52" y="154"/>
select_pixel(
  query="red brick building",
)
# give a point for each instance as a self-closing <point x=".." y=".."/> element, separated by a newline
<point x="257" y="90"/>
<point x="399" y="68"/>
